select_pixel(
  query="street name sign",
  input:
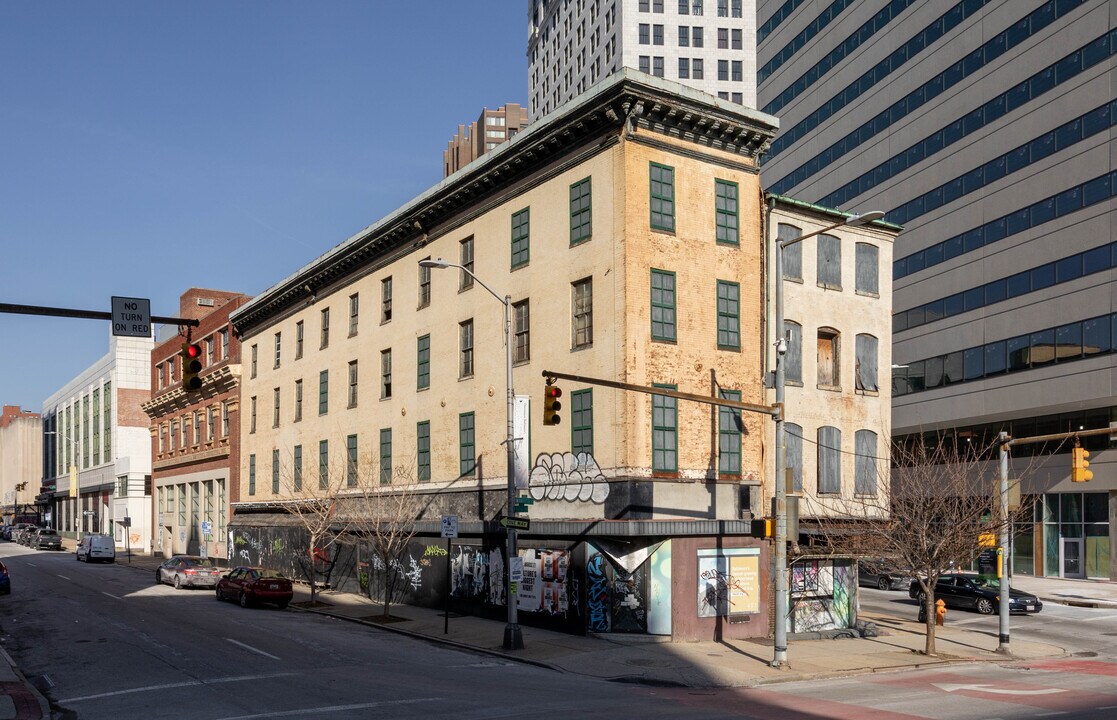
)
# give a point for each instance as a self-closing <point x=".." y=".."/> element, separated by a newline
<point x="516" y="523"/>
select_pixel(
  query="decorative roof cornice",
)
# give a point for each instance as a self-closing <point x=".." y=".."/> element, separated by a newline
<point x="623" y="101"/>
<point x="214" y="383"/>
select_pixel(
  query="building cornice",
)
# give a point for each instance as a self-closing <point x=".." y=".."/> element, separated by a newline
<point x="217" y="382"/>
<point x="618" y="105"/>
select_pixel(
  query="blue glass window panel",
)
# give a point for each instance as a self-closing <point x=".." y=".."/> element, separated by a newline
<point x="1042" y="350"/>
<point x="1068" y="268"/>
<point x="900" y="268"/>
<point x="1095" y="121"/>
<point x="1113" y="327"/>
<point x="993" y="231"/>
<point x="1068" y="201"/>
<point x="994" y="170"/>
<point x="953" y="368"/>
<point x="1019" y="284"/>
<point x="934" y="377"/>
<point x="1068" y="134"/>
<point x="974" y="298"/>
<point x="953" y="247"/>
<point x="917" y="316"/>
<point x="917" y="375"/>
<point x="1043" y="15"/>
<point x="899" y="322"/>
<point x="1018" y="32"/>
<point x="995" y="292"/>
<point x="1019" y="221"/>
<point x="975" y="239"/>
<point x="1095" y="52"/>
<point x="996" y="108"/>
<point x="1068" y="342"/>
<point x="954" y="305"/>
<point x="973" y="363"/>
<point x="933" y="311"/>
<point x="1043" y="211"/>
<point x="1042" y="81"/>
<point x="1043" y="276"/>
<point x="949" y="192"/>
<point x="1096" y="337"/>
<point x="1018" y="352"/>
<point x="1097" y="259"/>
<point x="1018" y="95"/>
<point x="1068" y="67"/>
<point x="1017" y="158"/>
<point x="1042" y="146"/>
<point x="1096" y="190"/>
<point x="935" y="143"/>
<point x="996" y="359"/>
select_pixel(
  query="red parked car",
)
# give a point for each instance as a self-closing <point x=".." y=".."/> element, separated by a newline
<point x="252" y="585"/>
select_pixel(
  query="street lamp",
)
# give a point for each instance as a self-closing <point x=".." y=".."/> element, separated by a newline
<point x="779" y="656"/>
<point x="513" y="638"/>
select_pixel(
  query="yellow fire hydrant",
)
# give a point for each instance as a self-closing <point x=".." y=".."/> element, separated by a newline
<point x="940" y="611"/>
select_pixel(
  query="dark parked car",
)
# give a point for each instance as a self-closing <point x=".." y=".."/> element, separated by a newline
<point x="187" y="571"/>
<point x="251" y="585"/>
<point x="882" y="573"/>
<point x="6" y="532"/>
<point x="5" y="579"/>
<point x="981" y="594"/>
<point x="46" y="539"/>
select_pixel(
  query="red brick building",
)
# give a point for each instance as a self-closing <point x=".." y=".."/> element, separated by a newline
<point x="195" y="437"/>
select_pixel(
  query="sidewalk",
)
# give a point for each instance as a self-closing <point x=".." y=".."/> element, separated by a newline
<point x="649" y="659"/>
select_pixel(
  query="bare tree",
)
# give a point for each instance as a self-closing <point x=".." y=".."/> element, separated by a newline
<point x="928" y="512"/>
<point x="381" y="514"/>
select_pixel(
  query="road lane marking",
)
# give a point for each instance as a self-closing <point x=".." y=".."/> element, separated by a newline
<point x="63" y="577"/>
<point x="32" y="564"/>
<point x="111" y="595"/>
<point x="188" y="683"/>
<point x="332" y="708"/>
<point x="1049" y="714"/>
<point x="949" y="687"/>
<point x="1102" y="617"/>
<point x="255" y="650"/>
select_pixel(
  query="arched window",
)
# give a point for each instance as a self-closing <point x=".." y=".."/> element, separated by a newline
<point x="793" y="453"/>
<point x="828" y="359"/>
<point x="829" y="262"/>
<point x="867" y="370"/>
<point x="868" y="269"/>
<point x="792" y="254"/>
<point x="793" y="359"/>
<point x="829" y="460"/>
<point x="865" y="475"/>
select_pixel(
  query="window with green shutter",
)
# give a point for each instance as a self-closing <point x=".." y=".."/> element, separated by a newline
<point x="663" y="305"/>
<point x="730" y="426"/>
<point x="351" y="460"/>
<point x="725" y="207"/>
<point x="275" y="472"/>
<point x="665" y="432"/>
<point x="323" y="464"/>
<point x="252" y="474"/>
<point x="298" y="468"/>
<point x="581" y="221"/>
<point x="662" y="187"/>
<point x="385" y="456"/>
<point x="581" y="422"/>
<point x="423" y="450"/>
<point x="729" y="315"/>
<point x="521" y="227"/>
<point x="467" y="459"/>
<point x="424" y="364"/>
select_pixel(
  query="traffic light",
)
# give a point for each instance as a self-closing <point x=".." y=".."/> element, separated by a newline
<point x="1079" y="463"/>
<point x="191" y="365"/>
<point x="551" y="404"/>
<point x="764" y="527"/>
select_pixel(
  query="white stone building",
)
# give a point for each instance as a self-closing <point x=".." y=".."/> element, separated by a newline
<point x="709" y="45"/>
<point x="94" y="424"/>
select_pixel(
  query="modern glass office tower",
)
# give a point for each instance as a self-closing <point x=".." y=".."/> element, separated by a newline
<point x="985" y="128"/>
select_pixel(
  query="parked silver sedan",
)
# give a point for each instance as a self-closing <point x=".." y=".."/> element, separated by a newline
<point x="187" y="571"/>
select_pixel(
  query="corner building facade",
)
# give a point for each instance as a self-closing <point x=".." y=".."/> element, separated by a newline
<point x="626" y="230"/>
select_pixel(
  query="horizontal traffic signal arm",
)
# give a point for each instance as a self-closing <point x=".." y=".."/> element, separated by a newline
<point x="772" y="410"/>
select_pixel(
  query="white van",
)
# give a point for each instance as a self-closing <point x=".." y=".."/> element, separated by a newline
<point x="96" y="547"/>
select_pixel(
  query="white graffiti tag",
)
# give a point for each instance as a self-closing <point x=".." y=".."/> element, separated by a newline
<point x="569" y="477"/>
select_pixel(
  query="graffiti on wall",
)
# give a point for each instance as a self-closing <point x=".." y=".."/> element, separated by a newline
<point x="821" y="595"/>
<point x="496" y="577"/>
<point x="597" y="594"/>
<point x="469" y="572"/>
<point x="569" y="477"/>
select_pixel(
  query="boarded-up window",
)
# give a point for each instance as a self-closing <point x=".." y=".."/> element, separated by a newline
<point x="868" y="269"/>
<point x="865" y="476"/>
<point x="792" y="254"/>
<point x="829" y="262"/>
<point x="828" y="357"/>
<point x="866" y="375"/>
<point x="829" y="460"/>
<point x="793" y="453"/>
<point x="793" y="360"/>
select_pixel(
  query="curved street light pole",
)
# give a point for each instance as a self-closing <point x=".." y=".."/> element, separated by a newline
<point x="513" y="636"/>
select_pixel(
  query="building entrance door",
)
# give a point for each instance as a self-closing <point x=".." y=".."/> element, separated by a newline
<point x="1070" y="560"/>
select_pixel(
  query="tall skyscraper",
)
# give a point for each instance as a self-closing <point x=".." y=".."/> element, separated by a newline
<point x="706" y="44"/>
<point x="985" y="128"/>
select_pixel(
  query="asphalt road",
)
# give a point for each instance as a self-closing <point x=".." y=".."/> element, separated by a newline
<point x="107" y="643"/>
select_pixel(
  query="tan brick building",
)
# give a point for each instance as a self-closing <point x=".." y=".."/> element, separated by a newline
<point x="21" y="463"/>
<point x="195" y="436"/>
<point x="626" y="230"/>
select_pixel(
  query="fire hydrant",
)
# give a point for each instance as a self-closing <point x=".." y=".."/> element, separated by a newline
<point x="940" y="611"/>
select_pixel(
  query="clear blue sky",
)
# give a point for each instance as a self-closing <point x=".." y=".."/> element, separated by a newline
<point x="147" y="147"/>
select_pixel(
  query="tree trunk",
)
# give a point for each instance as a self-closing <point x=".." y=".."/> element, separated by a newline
<point x="929" y="617"/>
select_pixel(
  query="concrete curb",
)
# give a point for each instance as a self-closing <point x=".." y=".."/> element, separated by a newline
<point x="44" y="706"/>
